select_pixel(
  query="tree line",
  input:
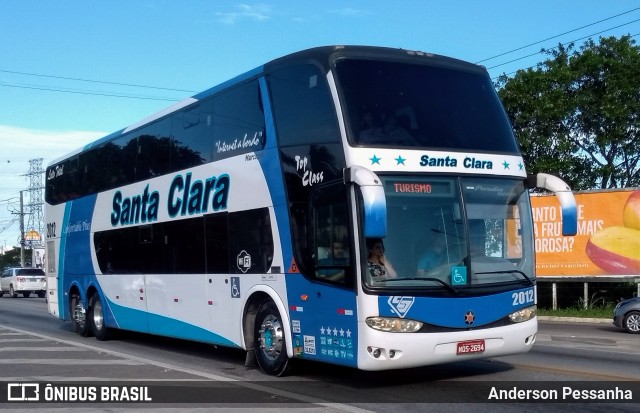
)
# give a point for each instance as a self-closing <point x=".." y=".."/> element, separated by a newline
<point x="576" y="114"/>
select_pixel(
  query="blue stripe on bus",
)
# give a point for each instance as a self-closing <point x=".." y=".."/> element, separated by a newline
<point x="451" y="312"/>
<point x="62" y="308"/>
<point x="131" y="319"/>
<point x="271" y="166"/>
<point x="77" y="234"/>
<point x="75" y="246"/>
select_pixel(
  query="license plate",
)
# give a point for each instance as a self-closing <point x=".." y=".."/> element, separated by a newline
<point x="470" y="347"/>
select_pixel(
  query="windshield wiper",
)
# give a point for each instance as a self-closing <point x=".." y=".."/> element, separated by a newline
<point x="437" y="280"/>
<point x="509" y="272"/>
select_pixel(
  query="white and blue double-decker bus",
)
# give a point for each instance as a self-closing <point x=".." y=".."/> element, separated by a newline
<point x="245" y="216"/>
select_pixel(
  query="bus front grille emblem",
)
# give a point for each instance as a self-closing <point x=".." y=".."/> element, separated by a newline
<point x="469" y="317"/>
<point x="400" y="305"/>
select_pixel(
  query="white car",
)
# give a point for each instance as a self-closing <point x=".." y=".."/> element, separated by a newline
<point x="23" y="281"/>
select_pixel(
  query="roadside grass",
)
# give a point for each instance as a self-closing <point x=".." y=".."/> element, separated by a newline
<point x="596" y="312"/>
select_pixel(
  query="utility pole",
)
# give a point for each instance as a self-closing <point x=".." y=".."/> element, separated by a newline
<point x="35" y="221"/>
<point x="21" y="230"/>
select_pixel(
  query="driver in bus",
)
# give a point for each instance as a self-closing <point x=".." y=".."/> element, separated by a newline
<point x="379" y="267"/>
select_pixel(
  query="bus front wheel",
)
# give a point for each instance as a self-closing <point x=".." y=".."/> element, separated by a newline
<point x="96" y="319"/>
<point x="270" y="343"/>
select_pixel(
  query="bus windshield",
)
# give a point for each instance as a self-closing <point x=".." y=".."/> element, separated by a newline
<point x="456" y="234"/>
<point x="391" y="104"/>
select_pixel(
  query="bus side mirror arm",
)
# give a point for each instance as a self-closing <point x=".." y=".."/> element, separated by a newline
<point x="375" y="202"/>
<point x="565" y="196"/>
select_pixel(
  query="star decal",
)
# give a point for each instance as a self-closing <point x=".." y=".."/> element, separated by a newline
<point x="469" y="317"/>
<point x="375" y="160"/>
<point x="400" y="160"/>
<point x="521" y="166"/>
<point x="505" y="164"/>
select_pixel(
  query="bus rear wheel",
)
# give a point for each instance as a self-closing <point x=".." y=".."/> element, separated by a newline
<point x="79" y="317"/>
<point x="270" y="342"/>
<point x="96" y="319"/>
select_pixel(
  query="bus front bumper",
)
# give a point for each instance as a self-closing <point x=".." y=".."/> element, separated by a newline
<point x="383" y="351"/>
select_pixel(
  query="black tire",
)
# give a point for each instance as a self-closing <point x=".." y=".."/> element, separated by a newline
<point x="631" y="322"/>
<point x="42" y="294"/>
<point x="26" y="295"/>
<point x="79" y="320"/>
<point x="96" y="319"/>
<point x="270" y="343"/>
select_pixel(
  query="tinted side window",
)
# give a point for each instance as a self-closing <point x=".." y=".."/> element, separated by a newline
<point x="153" y="152"/>
<point x="331" y="227"/>
<point x="122" y="162"/>
<point x="175" y="247"/>
<point x="190" y="246"/>
<point x="303" y="106"/>
<point x="225" y="125"/>
<point x="250" y="241"/>
<point x="192" y="129"/>
<point x="217" y="242"/>
<point x="238" y="121"/>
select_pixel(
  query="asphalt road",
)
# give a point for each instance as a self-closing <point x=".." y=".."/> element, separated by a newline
<point x="38" y="348"/>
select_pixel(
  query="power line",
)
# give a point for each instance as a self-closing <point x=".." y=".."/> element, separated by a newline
<point x="563" y="44"/>
<point x="558" y="35"/>
<point x="142" y="97"/>
<point x="96" y="81"/>
<point x="87" y="92"/>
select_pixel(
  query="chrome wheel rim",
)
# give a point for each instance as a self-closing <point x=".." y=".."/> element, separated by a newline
<point x="98" y="318"/>
<point x="79" y="313"/>
<point x="271" y="337"/>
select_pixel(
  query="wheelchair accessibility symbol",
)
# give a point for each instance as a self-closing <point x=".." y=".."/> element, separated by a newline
<point x="459" y="275"/>
<point x="235" y="287"/>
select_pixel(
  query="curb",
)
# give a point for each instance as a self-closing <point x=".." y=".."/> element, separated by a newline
<point x="575" y="320"/>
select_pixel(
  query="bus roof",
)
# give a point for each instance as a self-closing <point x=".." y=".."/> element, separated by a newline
<point x="324" y="55"/>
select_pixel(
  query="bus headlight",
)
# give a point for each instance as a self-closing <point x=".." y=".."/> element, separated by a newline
<point x="523" y="315"/>
<point x="394" y="325"/>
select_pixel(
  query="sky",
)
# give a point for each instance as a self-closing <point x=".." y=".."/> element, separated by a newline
<point x="75" y="70"/>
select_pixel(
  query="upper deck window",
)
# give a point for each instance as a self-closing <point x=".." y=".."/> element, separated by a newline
<point x="391" y="104"/>
<point x="303" y="107"/>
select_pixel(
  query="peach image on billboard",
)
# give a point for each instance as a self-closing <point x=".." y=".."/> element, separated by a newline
<point x="617" y="249"/>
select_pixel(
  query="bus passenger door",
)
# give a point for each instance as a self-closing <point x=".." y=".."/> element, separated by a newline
<point x="323" y="303"/>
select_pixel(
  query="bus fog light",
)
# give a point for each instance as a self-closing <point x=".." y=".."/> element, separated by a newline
<point x="392" y="354"/>
<point x="530" y="340"/>
<point x="525" y="314"/>
<point x="394" y="325"/>
<point x="374" y="351"/>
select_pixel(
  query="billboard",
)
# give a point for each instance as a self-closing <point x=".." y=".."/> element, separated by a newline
<point x="608" y="238"/>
